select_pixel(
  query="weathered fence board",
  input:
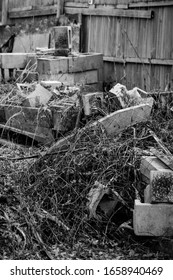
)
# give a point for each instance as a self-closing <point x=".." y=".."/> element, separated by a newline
<point x="137" y="47"/>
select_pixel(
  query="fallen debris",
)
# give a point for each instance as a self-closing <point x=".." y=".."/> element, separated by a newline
<point x="39" y="97"/>
<point x="148" y="164"/>
<point x="122" y="119"/>
<point x="126" y="98"/>
<point x="102" y="197"/>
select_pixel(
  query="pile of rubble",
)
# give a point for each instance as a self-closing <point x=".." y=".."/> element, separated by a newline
<point x="103" y="167"/>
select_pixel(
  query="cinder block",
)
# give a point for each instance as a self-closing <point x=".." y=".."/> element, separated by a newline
<point x="82" y="78"/>
<point x="62" y="36"/>
<point x="52" y="66"/>
<point x="153" y="219"/>
<point x="91" y="100"/>
<point x="161" y="183"/>
<point x="148" y="164"/>
<point x="84" y="62"/>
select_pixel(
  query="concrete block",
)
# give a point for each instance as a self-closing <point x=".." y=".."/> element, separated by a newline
<point x="161" y="183"/>
<point x="62" y="52"/>
<point x="52" y="66"/>
<point x="62" y="36"/>
<point x="40" y="96"/>
<point x="82" y="78"/>
<point x="15" y="60"/>
<point x="52" y="84"/>
<point x="64" y="117"/>
<point x="84" y="62"/>
<point x="153" y="219"/>
<point x="149" y="163"/>
<point x="33" y="122"/>
<point x="92" y="101"/>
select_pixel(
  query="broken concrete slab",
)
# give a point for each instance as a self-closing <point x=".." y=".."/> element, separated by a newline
<point x="161" y="186"/>
<point x="39" y="97"/>
<point x="118" y="121"/>
<point x="126" y="98"/>
<point x="101" y="197"/>
<point x="153" y="219"/>
<point x="120" y="93"/>
<point x="113" y="123"/>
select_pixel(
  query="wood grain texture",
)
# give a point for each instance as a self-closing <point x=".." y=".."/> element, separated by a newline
<point x="110" y="12"/>
<point x="4" y="12"/>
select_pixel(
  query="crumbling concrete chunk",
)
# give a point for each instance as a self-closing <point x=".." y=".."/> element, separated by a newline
<point x="101" y="196"/>
<point x="127" y="98"/>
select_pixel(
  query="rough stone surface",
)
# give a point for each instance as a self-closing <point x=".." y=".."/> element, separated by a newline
<point x="161" y="186"/>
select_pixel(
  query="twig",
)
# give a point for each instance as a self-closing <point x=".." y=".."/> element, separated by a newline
<point x="160" y="143"/>
<point x="40" y="155"/>
<point x="47" y="215"/>
<point x="121" y="199"/>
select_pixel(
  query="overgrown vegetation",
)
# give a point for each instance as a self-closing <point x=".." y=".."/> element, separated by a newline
<point x="43" y="202"/>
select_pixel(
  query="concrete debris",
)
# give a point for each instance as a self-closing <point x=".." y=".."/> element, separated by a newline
<point x="92" y="102"/>
<point x="101" y="200"/>
<point x="153" y="217"/>
<point x="126" y="98"/>
<point x="148" y="164"/>
<point x="39" y="97"/>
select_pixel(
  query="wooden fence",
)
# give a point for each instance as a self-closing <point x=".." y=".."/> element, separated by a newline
<point x="135" y="36"/>
<point x="137" y="41"/>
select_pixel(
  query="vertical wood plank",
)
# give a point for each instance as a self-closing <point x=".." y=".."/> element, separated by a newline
<point x="60" y="8"/>
<point x="4" y="12"/>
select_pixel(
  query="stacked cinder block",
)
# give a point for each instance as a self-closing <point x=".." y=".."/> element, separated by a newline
<point x="79" y="69"/>
<point x="154" y="217"/>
